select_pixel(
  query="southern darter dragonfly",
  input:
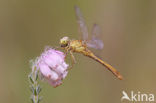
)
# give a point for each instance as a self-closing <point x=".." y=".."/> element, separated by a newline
<point x="81" y="46"/>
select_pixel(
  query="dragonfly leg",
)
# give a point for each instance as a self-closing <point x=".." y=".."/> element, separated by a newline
<point x="66" y="53"/>
<point x="73" y="59"/>
<point x="57" y="47"/>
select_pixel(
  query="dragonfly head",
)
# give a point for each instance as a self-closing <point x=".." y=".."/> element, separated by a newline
<point x="64" y="41"/>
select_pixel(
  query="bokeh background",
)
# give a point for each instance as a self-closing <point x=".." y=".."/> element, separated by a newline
<point x="128" y="32"/>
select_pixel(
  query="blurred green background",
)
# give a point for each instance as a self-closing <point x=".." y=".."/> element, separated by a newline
<point x="128" y="32"/>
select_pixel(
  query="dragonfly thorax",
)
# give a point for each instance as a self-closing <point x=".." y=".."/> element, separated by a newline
<point x="64" y="41"/>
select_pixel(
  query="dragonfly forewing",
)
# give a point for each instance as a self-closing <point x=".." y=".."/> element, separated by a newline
<point x="81" y="23"/>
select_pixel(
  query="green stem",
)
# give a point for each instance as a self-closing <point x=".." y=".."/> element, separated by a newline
<point x="34" y="86"/>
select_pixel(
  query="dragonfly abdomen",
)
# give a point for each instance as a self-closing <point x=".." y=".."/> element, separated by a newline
<point x="108" y="66"/>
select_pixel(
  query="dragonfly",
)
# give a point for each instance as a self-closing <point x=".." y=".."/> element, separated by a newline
<point x="82" y="46"/>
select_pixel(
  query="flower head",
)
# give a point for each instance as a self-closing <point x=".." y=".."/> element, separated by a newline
<point x="52" y="66"/>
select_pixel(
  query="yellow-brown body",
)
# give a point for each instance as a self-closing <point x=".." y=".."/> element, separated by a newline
<point x="80" y="47"/>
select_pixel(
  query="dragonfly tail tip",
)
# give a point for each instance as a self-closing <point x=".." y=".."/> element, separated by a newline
<point x="120" y="77"/>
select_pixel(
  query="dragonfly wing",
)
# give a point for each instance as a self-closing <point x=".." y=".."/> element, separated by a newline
<point x="81" y="23"/>
<point x="95" y="41"/>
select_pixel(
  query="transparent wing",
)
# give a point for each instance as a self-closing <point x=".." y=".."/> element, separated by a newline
<point x="95" y="41"/>
<point x="81" y="22"/>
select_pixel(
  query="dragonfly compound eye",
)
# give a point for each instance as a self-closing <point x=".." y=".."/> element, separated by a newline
<point x="64" y="41"/>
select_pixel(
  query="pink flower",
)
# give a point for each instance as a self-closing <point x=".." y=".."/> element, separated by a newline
<point x="52" y="66"/>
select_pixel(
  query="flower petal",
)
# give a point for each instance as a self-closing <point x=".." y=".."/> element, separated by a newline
<point x="47" y="72"/>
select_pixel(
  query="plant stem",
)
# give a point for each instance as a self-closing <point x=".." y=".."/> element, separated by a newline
<point x="34" y="86"/>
